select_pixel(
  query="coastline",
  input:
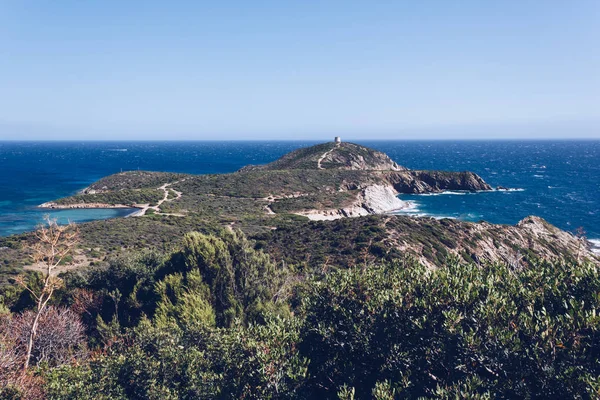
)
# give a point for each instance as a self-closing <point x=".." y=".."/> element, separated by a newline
<point x="55" y="206"/>
<point x="139" y="209"/>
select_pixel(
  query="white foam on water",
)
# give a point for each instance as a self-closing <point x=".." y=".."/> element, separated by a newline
<point x="411" y="208"/>
<point x="595" y="245"/>
<point x="510" y="190"/>
<point x="448" y="192"/>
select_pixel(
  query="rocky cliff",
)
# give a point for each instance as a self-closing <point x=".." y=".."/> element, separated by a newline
<point x="419" y="182"/>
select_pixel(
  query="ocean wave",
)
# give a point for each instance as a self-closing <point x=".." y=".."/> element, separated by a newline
<point x="510" y="190"/>
<point x="411" y="208"/>
<point x="450" y="192"/>
<point x="595" y="245"/>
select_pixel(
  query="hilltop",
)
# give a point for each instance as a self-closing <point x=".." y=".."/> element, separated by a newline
<point x="340" y="156"/>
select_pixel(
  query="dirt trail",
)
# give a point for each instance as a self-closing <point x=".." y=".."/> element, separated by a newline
<point x="325" y="155"/>
<point x="156" y="208"/>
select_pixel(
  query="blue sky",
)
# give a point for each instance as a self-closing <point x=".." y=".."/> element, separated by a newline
<point x="299" y="69"/>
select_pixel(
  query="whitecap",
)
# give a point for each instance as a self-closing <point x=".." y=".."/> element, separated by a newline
<point x="595" y="245"/>
<point x="510" y="190"/>
<point x="449" y="192"/>
<point x="411" y="208"/>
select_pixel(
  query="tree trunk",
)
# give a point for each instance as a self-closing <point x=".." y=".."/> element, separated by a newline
<point x="32" y="337"/>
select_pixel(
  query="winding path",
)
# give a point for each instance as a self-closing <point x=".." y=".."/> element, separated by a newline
<point x="328" y="152"/>
<point x="156" y="208"/>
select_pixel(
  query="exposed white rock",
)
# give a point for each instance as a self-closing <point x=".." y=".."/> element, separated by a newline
<point x="381" y="199"/>
<point x="374" y="199"/>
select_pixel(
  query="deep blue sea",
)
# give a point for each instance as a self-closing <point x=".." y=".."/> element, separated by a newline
<point x="557" y="180"/>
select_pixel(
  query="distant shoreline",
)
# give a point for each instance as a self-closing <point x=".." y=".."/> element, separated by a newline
<point x="55" y="206"/>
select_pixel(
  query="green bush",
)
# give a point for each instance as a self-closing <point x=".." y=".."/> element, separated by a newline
<point x="258" y="362"/>
<point x="455" y="332"/>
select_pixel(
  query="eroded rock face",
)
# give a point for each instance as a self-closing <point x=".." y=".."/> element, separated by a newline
<point x="374" y="199"/>
<point x="378" y="199"/>
<point x="418" y="182"/>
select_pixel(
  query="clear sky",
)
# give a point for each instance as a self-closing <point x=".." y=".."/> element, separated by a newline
<point x="299" y="69"/>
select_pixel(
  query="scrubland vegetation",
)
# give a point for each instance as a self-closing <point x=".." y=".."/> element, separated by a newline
<point x="124" y="197"/>
<point x="216" y="317"/>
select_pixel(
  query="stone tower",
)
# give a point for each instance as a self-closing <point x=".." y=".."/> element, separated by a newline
<point x="338" y="139"/>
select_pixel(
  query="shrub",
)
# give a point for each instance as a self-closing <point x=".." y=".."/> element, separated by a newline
<point x="455" y="331"/>
<point x="60" y="338"/>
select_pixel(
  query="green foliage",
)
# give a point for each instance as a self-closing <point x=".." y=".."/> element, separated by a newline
<point x="217" y="318"/>
<point x="457" y="332"/>
<point x="186" y="303"/>
<point x="343" y="242"/>
<point x="124" y="197"/>
<point x="237" y="280"/>
<point x="135" y="180"/>
<point x="258" y="362"/>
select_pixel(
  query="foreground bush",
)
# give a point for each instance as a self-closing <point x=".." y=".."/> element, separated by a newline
<point x="456" y="332"/>
<point x="393" y="331"/>
<point x="258" y="362"/>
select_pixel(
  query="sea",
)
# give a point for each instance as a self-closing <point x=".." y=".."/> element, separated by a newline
<point x="556" y="180"/>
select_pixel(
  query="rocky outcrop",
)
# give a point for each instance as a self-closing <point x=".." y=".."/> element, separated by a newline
<point x="374" y="199"/>
<point x="518" y="245"/>
<point x="379" y="199"/>
<point x="350" y="156"/>
<point x="419" y="182"/>
<point x="430" y="241"/>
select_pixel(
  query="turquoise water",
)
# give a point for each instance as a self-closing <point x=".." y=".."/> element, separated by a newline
<point x="557" y="180"/>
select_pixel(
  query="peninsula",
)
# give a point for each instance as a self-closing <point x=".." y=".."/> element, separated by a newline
<point x="279" y="205"/>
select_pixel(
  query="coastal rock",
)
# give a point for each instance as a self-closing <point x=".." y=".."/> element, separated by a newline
<point x="419" y="182"/>
<point x="378" y="199"/>
<point x="374" y="199"/>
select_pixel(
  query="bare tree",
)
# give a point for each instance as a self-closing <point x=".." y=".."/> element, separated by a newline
<point x="54" y="243"/>
<point x="60" y="338"/>
<point x="12" y="355"/>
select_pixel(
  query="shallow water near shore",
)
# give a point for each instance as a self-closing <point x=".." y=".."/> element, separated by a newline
<point x="27" y="219"/>
<point x="557" y="180"/>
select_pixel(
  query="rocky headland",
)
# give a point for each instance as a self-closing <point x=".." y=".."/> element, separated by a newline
<point x="321" y="204"/>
